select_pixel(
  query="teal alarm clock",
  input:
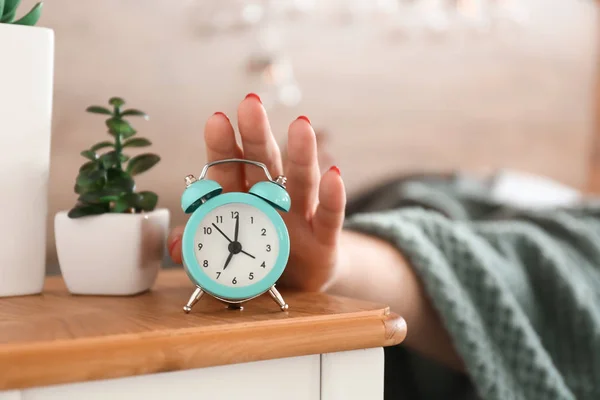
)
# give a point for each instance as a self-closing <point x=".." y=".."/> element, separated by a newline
<point x="235" y="245"/>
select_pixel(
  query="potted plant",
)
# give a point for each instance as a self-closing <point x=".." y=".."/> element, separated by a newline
<point x="26" y="68"/>
<point x="112" y="241"/>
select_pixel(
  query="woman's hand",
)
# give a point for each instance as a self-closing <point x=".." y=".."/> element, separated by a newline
<point x="322" y="256"/>
<point x="318" y="202"/>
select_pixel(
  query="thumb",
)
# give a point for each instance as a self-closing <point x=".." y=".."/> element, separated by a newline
<point x="174" y="244"/>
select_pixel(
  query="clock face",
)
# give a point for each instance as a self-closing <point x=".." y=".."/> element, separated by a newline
<point x="236" y="245"/>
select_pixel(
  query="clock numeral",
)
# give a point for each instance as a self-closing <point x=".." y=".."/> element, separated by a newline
<point x="263" y="232"/>
<point x="263" y="265"/>
<point x="234" y="281"/>
<point x="268" y="247"/>
<point x="207" y="230"/>
<point x="199" y="246"/>
<point x="219" y="219"/>
<point x="218" y="274"/>
<point x="205" y="264"/>
<point x="251" y="276"/>
<point x="251" y="220"/>
<point x="235" y="214"/>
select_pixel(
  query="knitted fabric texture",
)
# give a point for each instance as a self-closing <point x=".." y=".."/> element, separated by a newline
<point x="519" y="295"/>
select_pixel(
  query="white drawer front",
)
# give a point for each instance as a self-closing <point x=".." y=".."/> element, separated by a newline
<point x="353" y="375"/>
<point x="296" y="378"/>
<point x="10" y="395"/>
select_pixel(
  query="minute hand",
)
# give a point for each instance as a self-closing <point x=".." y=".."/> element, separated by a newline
<point x="237" y="228"/>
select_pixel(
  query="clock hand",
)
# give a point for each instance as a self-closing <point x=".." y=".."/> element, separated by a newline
<point x="228" y="260"/>
<point x="237" y="228"/>
<point x="221" y="232"/>
<point x="250" y="255"/>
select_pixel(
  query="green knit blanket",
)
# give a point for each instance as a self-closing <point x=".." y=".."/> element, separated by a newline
<point x="518" y="290"/>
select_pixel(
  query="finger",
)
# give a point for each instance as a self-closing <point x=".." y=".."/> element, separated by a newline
<point x="302" y="169"/>
<point x="257" y="140"/>
<point x="174" y="244"/>
<point x="221" y="144"/>
<point x="329" y="217"/>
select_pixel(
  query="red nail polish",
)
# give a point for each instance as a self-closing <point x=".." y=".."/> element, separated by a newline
<point x="304" y="118"/>
<point x="255" y="96"/>
<point x="174" y="244"/>
<point x="336" y="169"/>
<point x="222" y="114"/>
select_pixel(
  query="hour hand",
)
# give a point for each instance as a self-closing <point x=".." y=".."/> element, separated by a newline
<point x="228" y="260"/>
<point x="221" y="232"/>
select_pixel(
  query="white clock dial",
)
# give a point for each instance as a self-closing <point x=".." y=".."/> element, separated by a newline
<point x="241" y="262"/>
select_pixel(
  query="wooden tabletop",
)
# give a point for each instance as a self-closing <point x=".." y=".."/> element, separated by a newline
<point x="59" y="338"/>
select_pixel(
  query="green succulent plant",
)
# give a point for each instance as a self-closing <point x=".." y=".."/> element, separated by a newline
<point x="105" y="182"/>
<point x="8" y="11"/>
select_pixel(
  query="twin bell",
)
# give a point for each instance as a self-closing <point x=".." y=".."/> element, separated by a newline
<point x="199" y="191"/>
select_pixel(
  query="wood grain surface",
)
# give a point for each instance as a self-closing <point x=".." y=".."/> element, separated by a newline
<point x="59" y="338"/>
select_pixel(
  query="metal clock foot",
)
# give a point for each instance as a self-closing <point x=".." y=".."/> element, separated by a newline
<point x="193" y="300"/>
<point x="235" y="306"/>
<point x="275" y="295"/>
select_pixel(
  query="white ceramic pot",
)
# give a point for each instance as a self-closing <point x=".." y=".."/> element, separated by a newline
<point x="111" y="254"/>
<point x="26" y="73"/>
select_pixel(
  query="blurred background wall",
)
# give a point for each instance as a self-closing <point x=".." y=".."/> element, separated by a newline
<point x="400" y="88"/>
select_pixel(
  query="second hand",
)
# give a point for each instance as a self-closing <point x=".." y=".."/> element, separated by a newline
<point x="221" y="232"/>
<point x="231" y="241"/>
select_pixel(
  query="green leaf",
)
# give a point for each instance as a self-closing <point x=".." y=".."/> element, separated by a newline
<point x="137" y="142"/>
<point x="109" y="159"/>
<point x="115" y="173"/>
<point x="1" y="9"/>
<point x="8" y="10"/>
<point x="126" y="202"/>
<point x="78" y="189"/>
<point x="119" y="180"/>
<point x="88" y="166"/>
<point x="90" y="155"/>
<point x="100" y="196"/>
<point x="147" y="200"/>
<point x="98" y="110"/>
<point x="124" y="157"/>
<point x="116" y="101"/>
<point x="10" y="6"/>
<point x="135" y="113"/>
<point x="88" y="179"/>
<point x="128" y="133"/>
<point x="32" y="17"/>
<point x="7" y="18"/>
<point x="120" y="127"/>
<point x="142" y="163"/>
<point x="86" y="210"/>
<point x="101" y="145"/>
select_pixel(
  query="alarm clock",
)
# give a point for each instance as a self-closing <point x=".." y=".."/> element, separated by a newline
<point x="235" y="245"/>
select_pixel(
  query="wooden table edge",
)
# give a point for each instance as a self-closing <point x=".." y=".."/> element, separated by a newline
<point x="30" y="365"/>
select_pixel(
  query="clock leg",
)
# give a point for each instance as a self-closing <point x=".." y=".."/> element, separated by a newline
<point x="193" y="300"/>
<point x="278" y="298"/>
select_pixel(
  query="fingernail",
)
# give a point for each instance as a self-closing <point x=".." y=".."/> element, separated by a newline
<point x="304" y="118"/>
<point x="174" y="244"/>
<point x="255" y="96"/>
<point x="336" y="169"/>
<point x="223" y="114"/>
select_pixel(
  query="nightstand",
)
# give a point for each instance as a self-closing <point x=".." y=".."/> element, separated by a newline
<point x="60" y="346"/>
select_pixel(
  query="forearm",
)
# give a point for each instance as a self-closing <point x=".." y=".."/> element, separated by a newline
<point x="374" y="270"/>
